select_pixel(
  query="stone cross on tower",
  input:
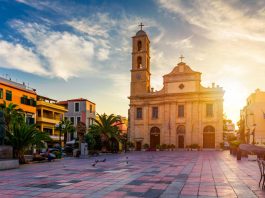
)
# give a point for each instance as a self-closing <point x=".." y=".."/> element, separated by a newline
<point x="181" y="58"/>
<point x="141" y="25"/>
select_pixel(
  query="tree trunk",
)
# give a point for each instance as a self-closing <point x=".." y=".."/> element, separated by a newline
<point x="21" y="158"/>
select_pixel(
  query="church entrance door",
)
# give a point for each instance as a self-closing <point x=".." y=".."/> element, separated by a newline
<point x="138" y="146"/>
<point x="209" y="137"/>
<point x="180" y="135"/>
<point x="154" y="137"/>
<point x="180" y="141"/>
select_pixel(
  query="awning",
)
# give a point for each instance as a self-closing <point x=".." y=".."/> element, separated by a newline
<point x="71" y="142"/>
<point x="252" y="148"/>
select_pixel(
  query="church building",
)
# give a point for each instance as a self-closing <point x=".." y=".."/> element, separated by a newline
<point x="182" y="113"/>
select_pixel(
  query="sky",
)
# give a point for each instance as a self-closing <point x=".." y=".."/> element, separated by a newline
<point x="71" y="49"/>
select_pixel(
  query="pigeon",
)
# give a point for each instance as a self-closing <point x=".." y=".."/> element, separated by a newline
<point x="94" y="164"/>
<point x="96" y="161"/>
<point x="104" y="160"/>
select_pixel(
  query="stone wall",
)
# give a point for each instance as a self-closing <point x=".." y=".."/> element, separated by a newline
<point x="6" y="152"/>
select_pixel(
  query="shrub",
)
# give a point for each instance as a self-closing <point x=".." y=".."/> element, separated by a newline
<point x="131" y="144"/>
<point x="158" y="146"/>
<point x="164" y="146"/>
<point x="194" y="146"/>
<point x="234" y="144"/>
<point x="146" y="146"/>
<point x="172" y="146"/>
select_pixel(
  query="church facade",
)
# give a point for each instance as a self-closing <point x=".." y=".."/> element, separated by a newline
<point x="182" y="113"/>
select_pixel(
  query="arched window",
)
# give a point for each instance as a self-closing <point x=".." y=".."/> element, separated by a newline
<point x="155" y="131"/>
<point x="139" y="45"/>
<point x="209" y="129"/>
<point x="181" y="129"/>
<point x="139" y="62"/>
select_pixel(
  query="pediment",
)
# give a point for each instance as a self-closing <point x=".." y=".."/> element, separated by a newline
<point x="182" y="72"/>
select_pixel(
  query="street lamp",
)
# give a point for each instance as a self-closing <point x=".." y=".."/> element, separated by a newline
<point x="60" y="126"/>
<point x="253" y="133"/>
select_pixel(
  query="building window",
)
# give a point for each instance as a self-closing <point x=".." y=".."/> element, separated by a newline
<point x="31" y="102"/>
<point x="139" y="62"/>
<point x="1" y="93"/>
<point x="139" y="45"/>
<point x="180" y="111"/>
<point x="154" y="112"/>
<point x="77" y="107"/>
<point x="90" y="108"/>
<point x="39" y="113"/>
<point x="78" y="119"/>
<point x="209" y="110"/>
<point x="8" y="95"/>
<point x="139" y="113"/>
<point x="72" y="119"/>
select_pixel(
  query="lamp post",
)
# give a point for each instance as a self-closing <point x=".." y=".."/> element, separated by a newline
<point x="60" y="126"/>
<point x="253" y="134"/>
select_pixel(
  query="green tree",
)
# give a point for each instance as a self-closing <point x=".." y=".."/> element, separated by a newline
<point x="65" y="127"/>
<point x="23" y="136"/>
<point x="12" y="114"/>
<point x="241" y="130"/>
<point x="91" y="142"/>
<point x="107" y="127"/>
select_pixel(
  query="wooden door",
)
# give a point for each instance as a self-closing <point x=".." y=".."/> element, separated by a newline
<point x="180" y="141"/>
<point x="208" y="140"/>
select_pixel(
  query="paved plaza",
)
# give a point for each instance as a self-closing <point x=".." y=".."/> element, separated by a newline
<point x="147" y="174"/>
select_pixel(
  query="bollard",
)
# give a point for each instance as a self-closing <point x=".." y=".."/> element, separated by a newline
<point x="238" y="155"/>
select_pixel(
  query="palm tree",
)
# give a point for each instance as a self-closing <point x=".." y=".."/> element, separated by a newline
<point x="107" y="127"/>
<point x="11" y="114"/>
<point x="22" y="136"/>
<point x="65" y="127"/>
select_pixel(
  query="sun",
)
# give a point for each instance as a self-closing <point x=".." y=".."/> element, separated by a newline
<point x="234" y="98"/>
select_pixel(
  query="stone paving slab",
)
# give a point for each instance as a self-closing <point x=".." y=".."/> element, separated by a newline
<point x="175" y="174"/>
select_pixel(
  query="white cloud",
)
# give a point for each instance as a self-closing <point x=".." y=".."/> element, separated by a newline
<point x="15" y="56"/>
<point x="65" y="54"/>
<point x="220" y="19"/>
<point x="181" y="44"/>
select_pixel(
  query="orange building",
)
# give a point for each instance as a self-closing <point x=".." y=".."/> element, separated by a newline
<point x="19" y="94"/>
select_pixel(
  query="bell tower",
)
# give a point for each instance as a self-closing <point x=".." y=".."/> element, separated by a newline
<point x="140" y="72"/>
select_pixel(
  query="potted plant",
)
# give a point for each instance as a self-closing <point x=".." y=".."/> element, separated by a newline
<point x="131" y="146"/>
<point x="234" y="146"/>
<point x="194" y="146"/>
<point x="173" y="147"/>
<point x="164" y="147"/>
<point x="145" y="147"/>
<point x="169" y="147"/>
<point x="158" y="147"/>
<point x="188" y="147"/>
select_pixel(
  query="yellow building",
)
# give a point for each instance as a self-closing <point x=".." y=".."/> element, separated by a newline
<point x="182" y="113"/>
<point x="253" y="116"/>
<point x="19" y="94"/>
<point x="48" y="115"/>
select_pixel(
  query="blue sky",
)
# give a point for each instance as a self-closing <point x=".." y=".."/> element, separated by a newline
<point x="70" y="49"/>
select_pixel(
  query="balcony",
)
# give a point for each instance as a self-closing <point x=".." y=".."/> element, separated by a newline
<point x="47" y="120"/>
